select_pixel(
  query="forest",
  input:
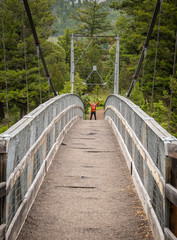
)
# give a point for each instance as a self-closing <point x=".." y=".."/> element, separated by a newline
<point x="23" y="84"/>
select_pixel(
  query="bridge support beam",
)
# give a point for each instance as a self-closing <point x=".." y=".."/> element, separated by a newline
<point x="171" y="193"/>
<point x="72" y="64"/>
<point x="3" y="156"/>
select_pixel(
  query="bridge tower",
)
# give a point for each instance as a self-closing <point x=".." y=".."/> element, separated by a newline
<point x="95" y="67"/>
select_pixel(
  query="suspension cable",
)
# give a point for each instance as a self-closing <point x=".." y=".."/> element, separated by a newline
<point x="26" y="69"/>
<point x="134" y="93"/>
<point x="38" y="44"/>
<point x="155" y="63"/>
<point x="158" y="4"/>
<point x="5" y="67"/>
<point x="172" y="84"/>
<point x="48" y="81"/>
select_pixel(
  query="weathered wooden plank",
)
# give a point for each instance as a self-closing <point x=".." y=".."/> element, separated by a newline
<point x="3" y="157"/>
<point x="2" y="189"/>
<point x="2" y="231"/>
<point x="173" y="208"/>
<point x="171" y="193"/>
<point x="172" y="150"/>
<point x="169" y="235"/>
<point x="3" y="146"/>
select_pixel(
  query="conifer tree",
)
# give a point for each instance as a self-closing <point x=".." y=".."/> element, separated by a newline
<point x="132" y="25"/>
<point x="92" y="20"/>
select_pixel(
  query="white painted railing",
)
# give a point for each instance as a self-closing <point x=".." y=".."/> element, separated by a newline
<point x="26" y="152"/>
<point x="151" y="155"/>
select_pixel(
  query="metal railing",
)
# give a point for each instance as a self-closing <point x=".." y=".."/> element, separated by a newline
<point x="150" y="152"/>
<point x="26" y="152"/>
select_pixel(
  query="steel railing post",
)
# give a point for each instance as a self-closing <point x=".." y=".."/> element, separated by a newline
<point x="72" y="64"/>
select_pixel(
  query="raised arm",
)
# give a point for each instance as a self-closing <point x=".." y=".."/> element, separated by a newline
<point x="89" y="103"/>
<point x="97" y="103"/>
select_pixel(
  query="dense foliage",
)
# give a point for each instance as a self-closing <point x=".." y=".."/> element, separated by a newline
<point x="63" y="9"/>
<point x="18" y="40"/>
<point x="132" y="25"/>
<point x="92" y="20"/>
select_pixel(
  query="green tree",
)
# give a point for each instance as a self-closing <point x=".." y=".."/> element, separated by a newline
<point x="132" y="26"/>
<point x="92" y="20"/>
<point x="65" y="42"/>
<point x="15" y="61"/>
<point x="79" y="86"/>
<point x="62" y="9"/>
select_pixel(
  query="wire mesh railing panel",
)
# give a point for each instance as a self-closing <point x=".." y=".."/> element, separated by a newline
<point x="58" y="108"/>
<point x="138" y="160"/>
<point x="138" y="126"/>
<point x="31" y="143"/>
<point x="123" y="132"/>
<point x="49" y="141"/>
<point x="16" y="195"/>
<point x="145" y="141"/>
<point x="129" y="144"/>
<point x="153" y="149"/>
<point x="39" y="125"/>
<point x="162" y="158"/>
<point x="37" y="160"/>
<point x="129" y="114"/>
<point x="50" y="114"/>
<point x="57" y="130"/>
<point x="155" y="196"/>
<point x="18" y="146"/>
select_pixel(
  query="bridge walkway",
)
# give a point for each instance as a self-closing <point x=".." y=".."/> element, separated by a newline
<point x="88" y="193"/>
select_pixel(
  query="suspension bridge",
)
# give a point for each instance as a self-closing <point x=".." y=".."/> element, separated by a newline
<point x="63" y="177"/>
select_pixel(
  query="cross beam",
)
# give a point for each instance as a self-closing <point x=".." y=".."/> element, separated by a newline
<point x="95" y="67"/>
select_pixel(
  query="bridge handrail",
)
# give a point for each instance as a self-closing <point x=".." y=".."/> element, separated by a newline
<point x="22" y="164"/>
<point x="24" y="178"/>
<point x="149" y="151"/>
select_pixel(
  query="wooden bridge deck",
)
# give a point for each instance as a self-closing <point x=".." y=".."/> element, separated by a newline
<point x="88" y="193"/>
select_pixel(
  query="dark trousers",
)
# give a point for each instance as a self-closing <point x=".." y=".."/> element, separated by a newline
<point x="92" y="113"/>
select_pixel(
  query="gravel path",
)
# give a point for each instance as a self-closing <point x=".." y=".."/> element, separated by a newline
<point x="88" y="193"/>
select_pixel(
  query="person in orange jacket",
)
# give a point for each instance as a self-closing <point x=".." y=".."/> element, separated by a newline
<point x="93" y="109"/>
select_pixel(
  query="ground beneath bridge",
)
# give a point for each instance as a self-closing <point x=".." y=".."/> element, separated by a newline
<point x="88" y="193"/>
